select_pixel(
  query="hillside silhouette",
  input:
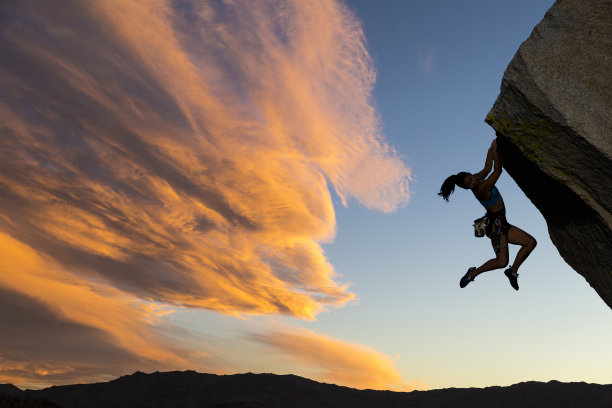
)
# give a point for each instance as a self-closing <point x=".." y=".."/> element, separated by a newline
<point x="190" y="389"/>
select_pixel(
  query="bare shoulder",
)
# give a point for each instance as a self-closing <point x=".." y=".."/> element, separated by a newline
<point x="482" y="191"/>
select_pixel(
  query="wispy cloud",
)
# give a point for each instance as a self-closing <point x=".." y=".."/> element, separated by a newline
<point x="183" y="153"/>
<point x="338" y="361"/>
<point x="427" y="60"/>
<point x="59" y="327"/>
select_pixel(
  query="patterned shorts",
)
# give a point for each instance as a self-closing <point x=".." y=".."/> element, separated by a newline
<point x="496" y="227"/>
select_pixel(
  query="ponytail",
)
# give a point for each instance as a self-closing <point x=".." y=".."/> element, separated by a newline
<point x="449" y="184"/>
<point x="447" y="187"/>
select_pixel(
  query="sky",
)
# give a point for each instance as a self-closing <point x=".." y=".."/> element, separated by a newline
<point x="229" y="187"/>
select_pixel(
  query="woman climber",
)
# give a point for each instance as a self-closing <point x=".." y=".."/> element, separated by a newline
<point x="497" y="228"/>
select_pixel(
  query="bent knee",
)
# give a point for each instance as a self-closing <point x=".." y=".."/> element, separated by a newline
<point x="502" y="262"/>
<point x="532" y="243"/>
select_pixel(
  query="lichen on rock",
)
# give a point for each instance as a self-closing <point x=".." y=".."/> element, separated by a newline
<point x="553" y="120"/>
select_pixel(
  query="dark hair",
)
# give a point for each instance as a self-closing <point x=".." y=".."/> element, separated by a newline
<point x="449" y="184"/>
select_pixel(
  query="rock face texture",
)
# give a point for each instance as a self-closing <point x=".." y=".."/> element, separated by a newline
<point x="553" y="120"/>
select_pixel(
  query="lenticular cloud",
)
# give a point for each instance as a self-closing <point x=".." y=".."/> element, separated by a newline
<point x="183" y="152"/>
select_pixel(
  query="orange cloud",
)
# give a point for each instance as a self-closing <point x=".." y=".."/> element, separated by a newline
<point x="58" y="326"/>
<point x="183" y="155"/>
<point x="82" y="301"/>
<point x="338" y="361"/>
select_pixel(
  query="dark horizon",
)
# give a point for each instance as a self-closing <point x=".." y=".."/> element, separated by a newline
<point x="191" y="389"/>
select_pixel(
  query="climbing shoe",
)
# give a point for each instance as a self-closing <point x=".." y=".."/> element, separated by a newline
<point x="467" y="278"/>
<point x="512" y="278"/>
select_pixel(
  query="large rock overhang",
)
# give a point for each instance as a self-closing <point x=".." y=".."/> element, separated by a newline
<point x="553" y="120"/>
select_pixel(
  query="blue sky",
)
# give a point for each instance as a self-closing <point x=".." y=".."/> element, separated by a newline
<point x="439" y="67"/>
<point x="406" y="266"/>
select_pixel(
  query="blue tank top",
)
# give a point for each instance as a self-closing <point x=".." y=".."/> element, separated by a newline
<point x="495" y="196"/>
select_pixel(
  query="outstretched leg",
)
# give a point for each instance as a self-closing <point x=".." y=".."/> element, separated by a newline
<point x="517" y="236"/>
<point x="500" y="261"/>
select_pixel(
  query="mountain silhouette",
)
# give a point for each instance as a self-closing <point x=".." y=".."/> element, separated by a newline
<point x="190" y="389"/>
<point x="9" y="401"/>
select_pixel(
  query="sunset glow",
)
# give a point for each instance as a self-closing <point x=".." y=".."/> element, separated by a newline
<point x="184" y="156"/>
<point x="338" y="361"/>
<point x="235" y="186"/>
